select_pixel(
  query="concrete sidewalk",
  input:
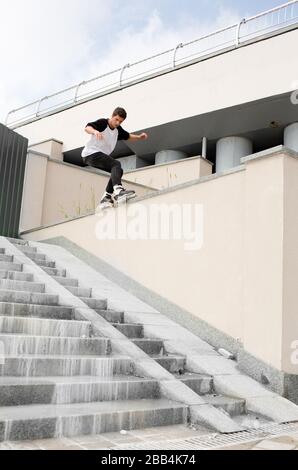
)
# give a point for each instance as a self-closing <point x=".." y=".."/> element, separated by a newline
<point x="179" y="437"/>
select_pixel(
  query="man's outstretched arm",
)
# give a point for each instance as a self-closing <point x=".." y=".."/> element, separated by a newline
<point x="135" y="137"/>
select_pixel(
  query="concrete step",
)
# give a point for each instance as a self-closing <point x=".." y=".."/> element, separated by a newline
<point x="15" y="345"/>
<point x="66" y="281"/>
<point x="28" y="297"/>
<point x="112" y="316"/>
<point x="17" y="241"/>
<point x="149" y="346"/>
<point x="54" y="271"/>
<point x="9" y="284"/>
<point x="27" y="249"/>
<point x="4" y="265"/>
<point x="199" y="383"/>
<point x="45" y="327"/>
<point x="35" y="256"/>
<point x="173" y="363"/>
<point x="46" y="421"/>
<point x="16" y="276"/>
<point x="131" y="330"/>
<point x="95" y="303"/>
<point x="20" y="391"/>
<point x="6" y="258"/>
<point x="45" y="264"/>
<point x="80" y="291"/>
<point x="40" y="366"/>
<point x="232" y="406"/>
<point x="38" y="311"/>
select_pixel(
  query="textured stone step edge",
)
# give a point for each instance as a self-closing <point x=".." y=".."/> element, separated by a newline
<point x="15" y="275"/>
<point x="46" y="312"/>
<point x="27" y="286"/>
<point x="47" y="391"/>
<point x="18" y="241"/>
<point x="17" y="267"/>
<point x="24" y="297"/>
<point x="19" y="344"/>
<point x="93" y="420"/>
<point x="10" y="324"/>
<point x="41" y="366"/>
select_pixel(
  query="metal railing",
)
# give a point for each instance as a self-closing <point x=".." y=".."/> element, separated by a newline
<point x="247" y="30"/>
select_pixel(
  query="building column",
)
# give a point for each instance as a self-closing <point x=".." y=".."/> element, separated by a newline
<point x="165" y="156"/>
<point x="291" y="136"/>
<point x="229" y="151"/>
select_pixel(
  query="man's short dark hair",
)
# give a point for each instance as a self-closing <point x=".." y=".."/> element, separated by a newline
<point x="120" y="112"/>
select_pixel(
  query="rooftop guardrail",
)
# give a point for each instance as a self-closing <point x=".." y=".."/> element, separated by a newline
<point x="248" y="30"/>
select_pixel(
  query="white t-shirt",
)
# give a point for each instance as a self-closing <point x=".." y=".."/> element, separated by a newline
<point x="109" y="141"/>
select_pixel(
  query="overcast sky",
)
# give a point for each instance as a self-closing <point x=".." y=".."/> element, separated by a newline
<point x="47" y="46"/>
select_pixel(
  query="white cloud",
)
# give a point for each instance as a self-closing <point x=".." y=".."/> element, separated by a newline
<point x="43" y="44"/>
<point x="47" y="46"/>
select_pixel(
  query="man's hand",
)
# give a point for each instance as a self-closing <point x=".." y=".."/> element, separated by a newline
<point x="92" y="131"/>
<point x="98" y="135"/>
<point x="136" y="137"/>
<point x="143" y="136"/>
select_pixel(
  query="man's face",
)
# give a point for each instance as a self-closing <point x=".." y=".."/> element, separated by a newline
<point x="116" y="121"/>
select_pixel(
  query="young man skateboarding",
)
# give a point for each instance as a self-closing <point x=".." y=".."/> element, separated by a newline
<point x="104" y="136"/>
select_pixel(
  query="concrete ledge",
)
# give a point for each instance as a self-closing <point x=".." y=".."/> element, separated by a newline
<point x="274" y="151"/>
<point x="45" y="141"/>
<point x="154" y="193"/>
<point x="87" y="168"/>
<point x="151" y="167"/>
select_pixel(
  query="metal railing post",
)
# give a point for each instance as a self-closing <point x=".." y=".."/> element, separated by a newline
<point x="238" y="31"/>
<point x="122" y="72"/>
<point x="77" y="91"/>
<point x="175" y="53"/>
<point x="38" y="106"/>
<point x="10" y="112"/>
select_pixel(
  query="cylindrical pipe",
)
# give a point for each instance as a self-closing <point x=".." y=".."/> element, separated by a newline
<point x="229" y="151"/>
<point x="204" y="147"/>
<point x="291" y="136"/>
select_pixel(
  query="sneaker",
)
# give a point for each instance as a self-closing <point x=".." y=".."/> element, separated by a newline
<point x="122" y="195"/>
<point x="107" y="201"/>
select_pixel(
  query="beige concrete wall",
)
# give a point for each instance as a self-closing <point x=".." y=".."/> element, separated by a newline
<point x="33" y="191"/>
<point x="207" y="282"/>
<point x="263" y="261"/>
<point x="290" y="268"/>
<point x="243" y="278"/>
<point x="201" y="88"/>
<point x="172" y="173"/>
<point x="55" y="191"/>
<point x="51" y="147"/>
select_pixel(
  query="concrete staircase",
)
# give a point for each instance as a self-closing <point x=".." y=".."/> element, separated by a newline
<point x="58" y="377"/>
<point x="55" y="378"/>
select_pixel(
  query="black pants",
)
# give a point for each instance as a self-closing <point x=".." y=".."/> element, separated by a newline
<point x="105" y="162"/>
